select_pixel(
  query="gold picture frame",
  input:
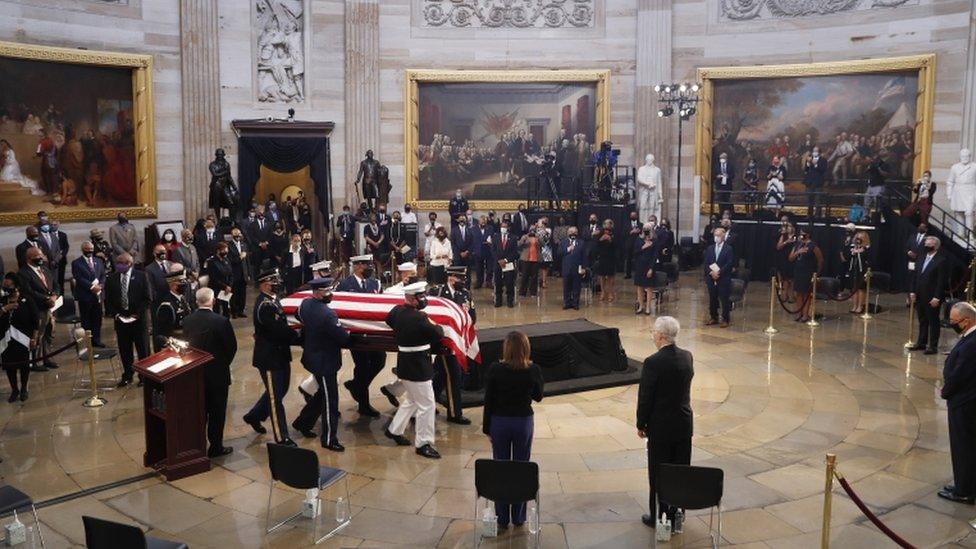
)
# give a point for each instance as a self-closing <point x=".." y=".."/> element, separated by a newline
<point x="411" y="117"/>
<point x="143" y="128"/>
<point x="924" y="65"/>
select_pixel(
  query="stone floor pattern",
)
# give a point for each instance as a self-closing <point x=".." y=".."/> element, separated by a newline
<point x="767" y="409"/>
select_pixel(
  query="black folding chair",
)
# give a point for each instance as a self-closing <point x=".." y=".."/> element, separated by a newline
<point x="105" y="534"/>
<point x="737" y="291"/>
<point x="509" y="482"/>
<point x="299" y="468"/>
<point x="691" y="487"/>
<point x="12" y="499"/>
<point x="67" y="313"/>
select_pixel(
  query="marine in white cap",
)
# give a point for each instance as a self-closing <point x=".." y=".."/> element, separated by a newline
<point x="408" y="275"/>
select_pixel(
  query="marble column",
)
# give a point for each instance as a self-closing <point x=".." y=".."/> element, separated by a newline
<point x="968" y="138"/>
<point x="653" y="135"/>
<point x="201" y="101"/>
<point x="362" y="80"/>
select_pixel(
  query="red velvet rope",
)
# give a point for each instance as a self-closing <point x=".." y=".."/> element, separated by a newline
<point x="41" y="358"/>
<point x="787" y="309"/>
<point x="871" y="516"/>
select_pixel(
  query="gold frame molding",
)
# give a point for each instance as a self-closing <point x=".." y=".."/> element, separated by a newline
<point x="144" y="132"/>
<point x="411" y="117"/>
<point x="925" y="103"/>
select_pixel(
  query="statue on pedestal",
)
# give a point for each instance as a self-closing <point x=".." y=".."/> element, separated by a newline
<point x="223" y="191"/>
<point x="961" y="188"/>
<point x="375" y="181"/>
<point x="649" y="189"/>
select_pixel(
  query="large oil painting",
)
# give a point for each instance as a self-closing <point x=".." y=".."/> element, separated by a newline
<point x="487" y="133"/>
<point x="75" y="134"/>
<point x="852" y="112"/>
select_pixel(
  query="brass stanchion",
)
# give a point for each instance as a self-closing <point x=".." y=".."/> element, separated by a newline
<point x="772" y="303"/>
<point x="94" y="401"/>
<point x="828" y="492"/>
<point x="911" y="308"/>
<point x="274" y="411"/>
<point x="813" y="303"/>
<point x="867" y="296"/>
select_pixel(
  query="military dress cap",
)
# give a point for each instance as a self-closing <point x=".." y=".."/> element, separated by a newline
<point x="457" y="270"/>
<point x="268" y="273"/>
<point x="175" y="276"/>
<point x="415" y="288"/>
<point x="319" y="283"/>
<point x="95" y="232"/>
<point x="407" y="266"/>
<point x="362" y="258"/>
<point x="325" y="265"/>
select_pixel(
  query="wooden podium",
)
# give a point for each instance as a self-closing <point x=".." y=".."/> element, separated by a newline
<point x="176" y="426"/>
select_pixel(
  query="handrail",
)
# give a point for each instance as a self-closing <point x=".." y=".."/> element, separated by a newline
<point x="966" y="239"/>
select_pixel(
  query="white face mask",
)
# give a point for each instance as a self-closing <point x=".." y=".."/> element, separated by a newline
<point x="504" y="230"/>
<point x="718" y="239"/>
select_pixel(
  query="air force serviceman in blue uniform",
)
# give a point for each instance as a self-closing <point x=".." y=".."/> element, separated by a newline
<point x="367" y="363"/>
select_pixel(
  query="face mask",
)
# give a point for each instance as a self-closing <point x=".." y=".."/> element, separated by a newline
<point x="277" y="287"/>
<point x="38" y="261"/>
<point x="421" y="303"/>
<point x="188" y="240"/>
<point x="238" y="238"/>
<point x="168" y="238"/>
<point x="161" y="256"/>
<point x="407" y="209"/>
<point x="647" y="232"/>
<point x="718" y="239"/>
<point x="930" y="248"/>
<point x="504" y="230"/>
<point x="122" y="267"/>
<point x="382" y="212"/>
<point x="413" y="280"/>
<point x="956" y="328"/>
<point x="572" y="237"/>
<point x="593" y="222"/>
<point x="457" y="195"/>
<point x="368" y="273"/>
<point x="222" y="255"/>
<point x="45" y="228"/>
<point x="123" y="221"/>
<point x="32" y="238"/>
<point x="251" y="217"/>
<point x="88" y="254"/>
<point x="327" y="298"/>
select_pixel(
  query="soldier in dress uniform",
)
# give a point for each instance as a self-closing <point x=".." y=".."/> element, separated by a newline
<point x="408" y="275"/>
<point x="322" y="357"/>
<point x="367" y="363"/>
<point x="447" y="373"/>
<point x="171" y="308"/>
<point x="415" y="335"/>
<point x="272" y="355"/>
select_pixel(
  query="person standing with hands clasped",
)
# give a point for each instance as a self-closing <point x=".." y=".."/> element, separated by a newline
<point x="718" y="277"/>
<point x="928" y="290"/>
<point x="664" y="415"/>
<point x="959" y="391"/>
<point x="510" y="387"/>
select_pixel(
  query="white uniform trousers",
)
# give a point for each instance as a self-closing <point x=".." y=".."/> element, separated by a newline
<point x="418" y="400"/>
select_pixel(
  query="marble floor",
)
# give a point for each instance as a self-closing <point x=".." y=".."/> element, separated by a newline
<point x="767" y="410"/>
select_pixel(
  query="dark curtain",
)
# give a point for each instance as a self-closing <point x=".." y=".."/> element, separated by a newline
<point x="285" y="155"/>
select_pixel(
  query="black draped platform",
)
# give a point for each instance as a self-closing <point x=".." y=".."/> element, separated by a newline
<point x="575" y="355"/>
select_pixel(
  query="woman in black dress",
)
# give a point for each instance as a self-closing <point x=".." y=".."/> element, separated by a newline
<point x="857" y="268"/>
<point x="19" y="317"/>
<point x="606" y="262"/>
<point x="645" y="258"/>
<point x="221" y="277"/>
<point x="784" y="268"/>
<point x="377" y="244"/>
<point x="807" y="259"/>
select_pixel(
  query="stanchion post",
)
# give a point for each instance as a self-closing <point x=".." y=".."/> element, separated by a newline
<point x="772" y="304"/>
<point x="867" y="296"/>
<point x="94" y="401"/>
<point x="813" y="305"/>
<point x="828" y="493"/>
<point x="911" y="324"/>
<point x="274" y="410"/>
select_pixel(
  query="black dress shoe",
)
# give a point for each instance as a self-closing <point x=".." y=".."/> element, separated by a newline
<point x="428" y="451"/>
<point x="390" y="396"/>
<point x="399" y="439"/>
<point x="351" y="388"/>
<point x="256" y="425"/>
<point x="511" y="305"/>
<point x="916" y="347"/>
<point x="307" y="433"/>
<point x="219" y="452"/>
<point x="369" y="411"/>
<point x="931" y="351"/>
<point x="23" y="395"/>
<point x="460" y="420"/>
<point x="99" y="345"/>
<point x="38" y="368"/>
<point x="335" y="446"/>
<point x="288" y="442"/>
<point x="648" y="521"/>
<point x="305" y="395"/>
<point x="51" y="365"/>
<point x="949" y="487"/>
<point x="952" y="496"/>
<point x="124" y="381"/>
<point x="576" y="307"/>
<point x="14" y="396"/>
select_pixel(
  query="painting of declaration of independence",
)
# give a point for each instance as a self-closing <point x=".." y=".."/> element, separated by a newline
<point x="491" y="139"/>
<point x="66" y="137"/>
<point x="851" y="118"/>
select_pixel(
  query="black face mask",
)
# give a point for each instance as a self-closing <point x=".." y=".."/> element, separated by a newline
<point x="413" y="280"/>
<point x="88" y="254"/>
<point x="38" y="261"/>
<point x="368" y="273"/>
<point x="277" y="288"/>
<point x="930" y="248"/>
<point x="327" y="298"/>
<point x="161" y="256"/>
<point x="222" y="255"/>
<point x="956" y="328"/>
<point x="421" y="303"/>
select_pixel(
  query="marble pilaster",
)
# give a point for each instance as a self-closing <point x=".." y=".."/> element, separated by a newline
<point x="362" y="131"/>
<point x="653" y="135"/>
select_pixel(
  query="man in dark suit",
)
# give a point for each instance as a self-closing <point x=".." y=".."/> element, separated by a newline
<point x="718" y="263"/>
<point x="915" y="248"/>
<point x="206" y="330"/>
<point x="322" y="346"/>
<point x="664" y="415"/>
<point x="520" y="222"/>
<point x="38" y="285"/>
<point x="30" y="241"/>
<point x="367" y="364"/>
<point x="157" y="271"/>
<point x="88" y="273"/>
<point x="633" y="228"/>
<point x="483" y="265"/>
<point x="572" y="252"/>
<point x="928" y="291"/>
<point x="813" y="179"/>
<point x="505" y="250"/>
<point x="258" y="236"/>
<point x="723" y="174"/>
<point x="207" y="239"/>
<point x="63" y="247"/>
<point x="238" y="254"/>
<point x="959" y="391"/>
<point x="463" y="243"/>
<point x="126" y="297"/>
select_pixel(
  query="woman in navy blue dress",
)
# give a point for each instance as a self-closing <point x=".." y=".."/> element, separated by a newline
<point x="646" y="252"/>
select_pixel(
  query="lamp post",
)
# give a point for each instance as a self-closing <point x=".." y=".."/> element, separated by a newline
<point x="681" y="99"/>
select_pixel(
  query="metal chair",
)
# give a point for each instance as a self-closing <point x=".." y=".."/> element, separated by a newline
<point x="880" y="281"/>
<point x="105" y="534"/>
<point x="691" y="487"/>
<point x="506" y="481"/>
<point x="737" y="291"/>
<point x="299" y="468"/>
<point x="12" y="499"/>
<point x="662" y="287"/>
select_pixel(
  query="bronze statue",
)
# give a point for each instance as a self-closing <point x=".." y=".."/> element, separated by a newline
<point x="369" y="177"/>
<point x="223" y="191"/>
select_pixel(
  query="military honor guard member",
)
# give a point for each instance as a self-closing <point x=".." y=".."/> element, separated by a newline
<point x="415" y="335"/>
<point x="408" y="275"/>
<point x="171" y="308"/>
<point x="322" y="346"/>
<point x="367" y="364"/>
<point x="322" y="269"/>
<point x="447" y="373"/>
<point x="272" y="356"/>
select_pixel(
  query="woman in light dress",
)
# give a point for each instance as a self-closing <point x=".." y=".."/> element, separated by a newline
<point x="10" y="171"/>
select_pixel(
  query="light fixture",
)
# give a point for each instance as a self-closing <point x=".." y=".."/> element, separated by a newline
<point x="177" y="345"/>
<point x="683" y="88"/>
<point x="684" y="99"/>
<point x="667" y="89"/>
<point x="695" y="87"/>
<point x="660" y="114"/>
<point x="657" y="88"/>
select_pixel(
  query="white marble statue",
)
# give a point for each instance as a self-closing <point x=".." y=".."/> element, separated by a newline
<point x="961" y="188"/>
<point x="649" y="189"/>
<point x="280" y="51"/>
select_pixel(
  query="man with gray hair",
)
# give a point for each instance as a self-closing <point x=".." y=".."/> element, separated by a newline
<point x="959" y="391"/>
<point x="664" y="415"/>
<point x="928" y="291"/>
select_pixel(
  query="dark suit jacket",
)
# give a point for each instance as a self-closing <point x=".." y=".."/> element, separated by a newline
<point x="511" y="250"/>
<point x="813" y="175"/>
<point x="572" y="260"/>
<point x="84" y="276"/>
<point x="324" y="338"/>
<point x="725" y="263"/>
<point x="465" y="244"/>
<point x="213" y="333"/>
<point x="34" y="289"/>
<point x="959" y="373"/>
<point x="138" y="295"/>
<point x="717" y="172"/>
<point x="930" y="282"/>
<point x="21" y="250"/>
<point x="519" y="226"/>
<point x="157" y="279"/>
<point x="664" y="397"/>
<point x="236" y="262"/>
<point x="205" y="248"/>
<point x="351" y="284"/>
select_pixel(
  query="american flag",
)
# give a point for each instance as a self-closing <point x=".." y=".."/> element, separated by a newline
<point x="894" y="87"/>
<point x="366" y="314"/>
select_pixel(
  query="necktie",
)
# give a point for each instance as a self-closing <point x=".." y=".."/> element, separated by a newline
<point x="718" y="251"/>
<point x="40" y="274"/>
<point x="125" y="292"/>
<point x="362" y="285"/>
<point x="504" y="242"/>
<point x="462" y="232"/>
<point x="91" y="264"/>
